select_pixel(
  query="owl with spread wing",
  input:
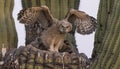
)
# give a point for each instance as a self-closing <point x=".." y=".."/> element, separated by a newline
<point x="54" y="30"/>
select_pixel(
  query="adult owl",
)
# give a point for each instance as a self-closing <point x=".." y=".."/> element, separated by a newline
<point x="54" y="30"/>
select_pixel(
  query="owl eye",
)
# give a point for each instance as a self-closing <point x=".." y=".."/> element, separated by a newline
<point x="67" y="27"/>
<point x="62" y="26"/>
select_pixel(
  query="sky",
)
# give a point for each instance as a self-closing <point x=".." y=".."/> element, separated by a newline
<point x="85" y="43"/>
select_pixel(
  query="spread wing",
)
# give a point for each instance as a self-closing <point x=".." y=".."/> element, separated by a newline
<point x="84" y="23"/>
<point x="33" y="15"/>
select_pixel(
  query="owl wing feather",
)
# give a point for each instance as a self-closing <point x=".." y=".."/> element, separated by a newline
<point x="32" y="15"/>
<point x="84" y="23"/>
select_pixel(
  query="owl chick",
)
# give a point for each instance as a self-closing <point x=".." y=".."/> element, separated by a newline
<point x="54" y="36"/>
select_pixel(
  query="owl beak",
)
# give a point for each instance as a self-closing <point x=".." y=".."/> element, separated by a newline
<point x="64" y="30"/>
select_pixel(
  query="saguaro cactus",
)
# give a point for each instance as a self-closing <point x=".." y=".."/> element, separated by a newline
<point x="107" y="39"/>
<point x="8" y="35"/>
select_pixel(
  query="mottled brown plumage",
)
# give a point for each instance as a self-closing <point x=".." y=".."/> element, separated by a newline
<point x="54" y="36"/>
<point x="54" y="30"/>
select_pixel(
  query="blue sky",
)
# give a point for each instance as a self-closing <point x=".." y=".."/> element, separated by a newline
<point x="85" y="42"/>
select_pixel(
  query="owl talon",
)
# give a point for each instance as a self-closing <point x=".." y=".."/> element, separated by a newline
<point x="51" y="50"/>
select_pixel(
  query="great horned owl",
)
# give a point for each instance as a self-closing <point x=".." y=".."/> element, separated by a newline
<point x="54" y="30"/>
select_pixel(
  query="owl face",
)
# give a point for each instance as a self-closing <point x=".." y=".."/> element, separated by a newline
<point x="65" y="26"/>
